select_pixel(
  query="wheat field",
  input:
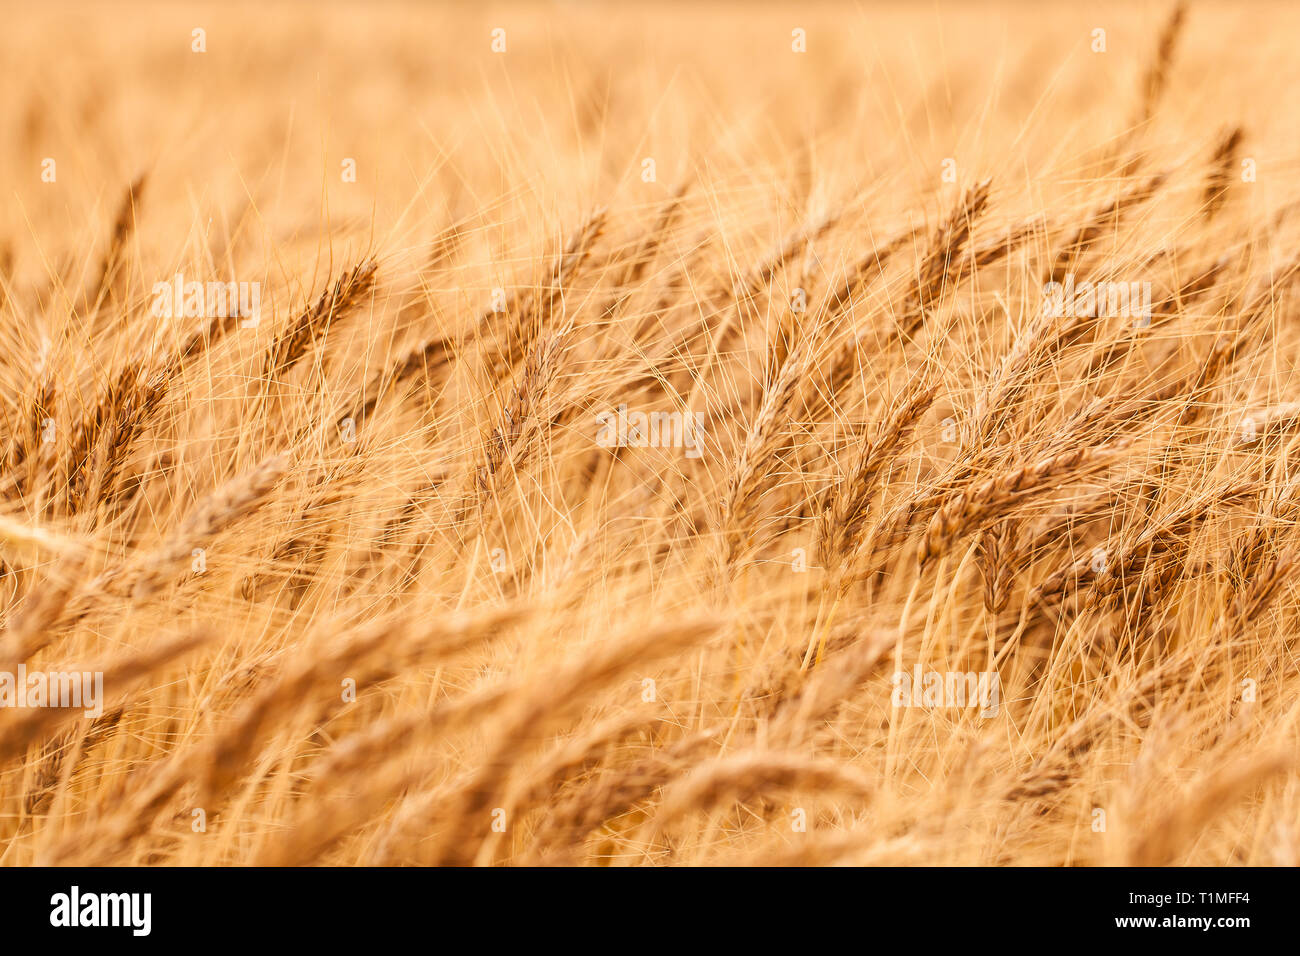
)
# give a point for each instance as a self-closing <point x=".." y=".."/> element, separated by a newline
<point x="709" y="434"/>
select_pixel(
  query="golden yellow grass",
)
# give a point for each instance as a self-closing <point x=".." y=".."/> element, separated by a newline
<point x="364" y="583"/>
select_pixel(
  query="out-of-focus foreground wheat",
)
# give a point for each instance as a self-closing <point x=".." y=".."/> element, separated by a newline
<point x="368" y="581"/>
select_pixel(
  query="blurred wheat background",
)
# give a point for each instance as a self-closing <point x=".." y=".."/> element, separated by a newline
<point x="365" y="586"/>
